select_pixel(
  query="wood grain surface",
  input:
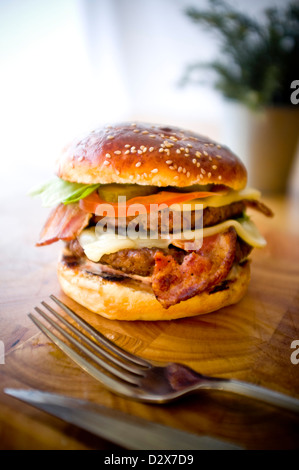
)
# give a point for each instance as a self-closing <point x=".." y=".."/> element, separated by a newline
<point x="250" y="341"/>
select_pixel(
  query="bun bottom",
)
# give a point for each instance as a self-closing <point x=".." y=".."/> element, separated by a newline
<point x="132" y="301"/>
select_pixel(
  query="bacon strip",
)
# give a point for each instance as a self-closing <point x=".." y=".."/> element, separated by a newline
<point x="259" y="206"/>
<point x="173" y="282"/>
<point x="65" y="222"/>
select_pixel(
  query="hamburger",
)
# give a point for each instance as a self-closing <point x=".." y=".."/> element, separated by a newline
<point x="102" y="179"/>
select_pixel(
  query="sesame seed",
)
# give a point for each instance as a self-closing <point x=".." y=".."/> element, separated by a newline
<point x="152" y="136"/>
<point x="214" y="167"/>
<point x="198" y="164"/>
<point x="176" y="177"/>
<point x="205" y="153"/>
<point x="210" y="158"/>
<point x="144" y="132"/>
<point x="144" y="149"/>
<point x="106" y="162"/>
<point x="127" y="152"/>
<point x="127" y="146"/>
<point x="186" y="150"/>
<point x="218" y="156"/>
<point x="117" y="172"/>
<point x="145" y="175"/>
<point x="203" y="171"/>
<point x="184" y="170"/>
<point x="218" y="146"/>
<point x="178" y="151"/>
<point x="80" y="158"/>
<point x="139" y="151"/>
<point x="220" y="177"/>
<point x="211" y="144"/>
<point x="209" y="174"/>
<point x="133" y="124"/>
<point x="136" y="130"/>
<point x="188" y="174"/>
<point x="167" y="151"/>
<point x="110" y="137"/>
<point x="194" y="161"/>
<point x="180" y="169"/>
<point x="168" y="144"/>
<point x="186" y="154"/>
<point x="201" y="176"/>
<point x="151" y="149"/>
<point x="131" y="177"/>
<point x="198" y="154"/>
<point x="161" y="150"/>
<point x="108" y="155"/>
<point x="138" y="164"/>
<point x="117" y="152"/>
<point x="172" y="137"/>
<point x="171" y="167"/>
<point x="189" y="145"/>
<point x="133" y="150"/>
<point x="138" y="176"/>
<point x="182" y="149"/>
<point x="169" y="162"/>
<point x="155" y="170"/>
<point x="206" y="145"/>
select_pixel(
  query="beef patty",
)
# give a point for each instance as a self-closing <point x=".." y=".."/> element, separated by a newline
<point x="142" y="261"/>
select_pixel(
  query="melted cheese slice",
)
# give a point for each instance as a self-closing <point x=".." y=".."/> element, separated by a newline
<point x="218" y="201"/>
<point x="96" y="245"/>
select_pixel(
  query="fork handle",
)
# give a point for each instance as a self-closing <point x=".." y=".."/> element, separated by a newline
<point x="259" y="393"/>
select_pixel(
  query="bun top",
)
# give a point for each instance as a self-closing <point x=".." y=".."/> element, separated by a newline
<point x="147" y="154"/>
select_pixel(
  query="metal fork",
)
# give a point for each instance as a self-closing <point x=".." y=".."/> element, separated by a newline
<point x="134" y="377"/>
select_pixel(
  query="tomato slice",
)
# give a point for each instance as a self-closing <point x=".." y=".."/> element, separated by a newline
<point x="90" y="203"/>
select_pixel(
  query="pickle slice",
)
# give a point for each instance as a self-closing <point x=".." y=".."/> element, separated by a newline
<point x="111" y="192"/>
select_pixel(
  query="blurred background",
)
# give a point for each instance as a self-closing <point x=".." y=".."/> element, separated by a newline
<point x="68" y="66"/>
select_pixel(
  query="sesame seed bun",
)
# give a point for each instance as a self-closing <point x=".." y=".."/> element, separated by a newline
<point x="130" y="301"/>
<point x="147" y="154"/>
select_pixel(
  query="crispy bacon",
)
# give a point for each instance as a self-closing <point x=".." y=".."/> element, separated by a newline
<point x="259" y="206"/>
<point x="173" y="282"/>
<point x="65" y="222"/>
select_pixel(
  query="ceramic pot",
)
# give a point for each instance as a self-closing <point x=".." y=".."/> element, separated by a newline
<point x="273" y="136"/>
<point x="267" y="142"/>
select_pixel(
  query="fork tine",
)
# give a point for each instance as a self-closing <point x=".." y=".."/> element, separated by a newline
<point x="125" y="365"/>
<point x="100" y="337"/>
<point x="126" y="376"/>
<point x="109" y="382"/>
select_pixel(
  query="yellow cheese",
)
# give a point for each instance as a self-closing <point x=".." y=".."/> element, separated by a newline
<point x="218" y="201"/>
<point x="245" y="229"/>
<point x="96" y="245"/>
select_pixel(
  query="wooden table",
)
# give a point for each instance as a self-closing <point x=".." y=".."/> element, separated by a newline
<point x="250" y="341"/>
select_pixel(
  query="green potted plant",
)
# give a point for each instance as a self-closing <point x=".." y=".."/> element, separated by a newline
<point x="258" y="69"/>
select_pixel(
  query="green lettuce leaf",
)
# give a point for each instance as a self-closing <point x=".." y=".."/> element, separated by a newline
<point x="57" y="190"/>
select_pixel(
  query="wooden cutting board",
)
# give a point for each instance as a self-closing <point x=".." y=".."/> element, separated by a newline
<point x="249" y="341"/>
